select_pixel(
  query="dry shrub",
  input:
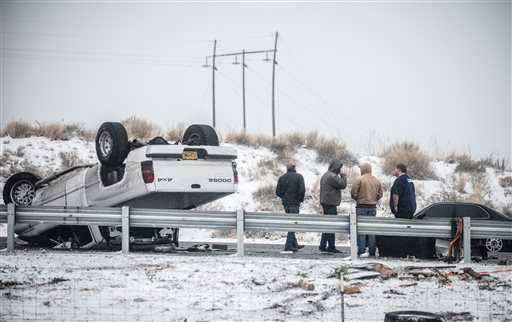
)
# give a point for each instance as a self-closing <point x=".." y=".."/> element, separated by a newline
<point x="505" y="182"/>
<point x="460" y="183"/>
<point x="481" y="188"/>
<point x="466" y="164"/>
<point x="69" y="159"/>
<point x="312" y="139"/>
<point x="417" y="162"/>
<point x="52" y="130"/>
<point x="250" y="139"/>
<point x="15" y="166"/>
<point x="79" y="131"/>
<point x="451" y="157"/>
<point x="266" y="197"/>
<point x="267" y="166"/>
<point x="281" y="148"/>
<point x="295" y="139"/>
<point x="141" y="129"/>
<point x="176" y="133"/>
<point x="328" y="149"/>
<point x="19" y="129"/>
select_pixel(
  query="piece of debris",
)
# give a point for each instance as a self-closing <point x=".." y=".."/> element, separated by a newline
<point x="220" y="246"/>
<point x="361" y="275"/>
<point x="256" y="282"/>
<point x="199" y="248"/>
<point x="393" y="292"/>
<point x="443" y="276"/>
<point x="472" y="273"/>
<point x="352" y="289"/>
<point x="306" y="284"/>
<point x="165" y="248"/>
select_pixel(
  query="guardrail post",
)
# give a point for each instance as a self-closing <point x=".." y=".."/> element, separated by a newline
<point x="125" y="222"/>
<point x="11" y="220"/>
<point x="353" y="236"/>
<point x="466" y="221"/>
<point x="240" y="232"/>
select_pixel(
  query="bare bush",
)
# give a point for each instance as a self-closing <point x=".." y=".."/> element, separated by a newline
<point x="505" y="182"/>
<point x="268" y="166"/>
<point x="417" y="162"/>
<point x="466" y="164"/>
<point x="141" y="129"/>
<point x="460" y="183"/>
<point x="312" y="139"/>
<point x="14" y="166"/>
<point x="176" y="133"/>
<point x="295" y="139"/>
<point x="249" y="139"/>
<point x="328" y="149"/>
<point x="52" y="130"/>
<point x="19" y="129"/>
<point x="78" y="131"/>
<point x="69" y="159"/>
<point x="266" y="197"/>
<point x="481" y="187"/>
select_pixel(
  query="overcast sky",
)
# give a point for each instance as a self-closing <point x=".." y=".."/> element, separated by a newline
<point x="370" y="73"/>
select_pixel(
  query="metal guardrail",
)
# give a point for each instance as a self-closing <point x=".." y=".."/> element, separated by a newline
<point x="241" y="221"/>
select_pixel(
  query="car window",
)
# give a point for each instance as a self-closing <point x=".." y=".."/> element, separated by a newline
<point x="439" y="211"/>
<point x="472" y="211"/>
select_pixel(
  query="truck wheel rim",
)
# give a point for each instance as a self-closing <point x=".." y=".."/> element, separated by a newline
<point x="23" y="193"/>
<point x="105" y="142"/>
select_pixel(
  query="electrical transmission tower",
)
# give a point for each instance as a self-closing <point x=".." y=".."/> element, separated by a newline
<point x="243" y="53"/>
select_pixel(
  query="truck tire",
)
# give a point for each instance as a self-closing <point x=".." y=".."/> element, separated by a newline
<point x="200" y="134"/>
<point x="112" y="146"/>
<point x="20" y="188"/>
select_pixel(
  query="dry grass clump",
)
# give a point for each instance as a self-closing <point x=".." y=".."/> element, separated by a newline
<point x="408" y="153"/>
<point x="460" y="183"/>
<point x="52" y="130"/>
<point x="466" y="164"/>
<point x="176" y="133"/>
<point x="268" y="166"/>
<point x="141" y="129"/>
<point x="250" y="139"/>
<point x="505" y="182"/>
<point x="19" y="129"/>
<point x="328" y="149"/>
<point x="266" y="197"/>
<point x="79" y="131"/>
<point x="69" y="159"/>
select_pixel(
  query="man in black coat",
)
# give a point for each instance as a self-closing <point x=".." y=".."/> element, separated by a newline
<point x="291" y="189"/>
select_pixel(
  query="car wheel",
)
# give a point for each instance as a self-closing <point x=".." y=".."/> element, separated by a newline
<point x="494" y="244"/>
<point x="112" y="146"/>
<point x="200" y="134"/>
<point x="20" y="189"/>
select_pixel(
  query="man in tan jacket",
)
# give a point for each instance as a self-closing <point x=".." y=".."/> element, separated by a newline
<point x="366" y="191"/>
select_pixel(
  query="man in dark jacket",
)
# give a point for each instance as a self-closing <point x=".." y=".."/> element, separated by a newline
<point x="291" y="189"/>
<point x="403" y="195"/>
<point x="331" y="184"/>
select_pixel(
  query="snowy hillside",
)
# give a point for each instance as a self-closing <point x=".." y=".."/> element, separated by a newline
<point x="259" y="170"/>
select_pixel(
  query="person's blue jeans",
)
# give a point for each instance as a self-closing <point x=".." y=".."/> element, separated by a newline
<point x="327" y="240"/>
<point x="361" y="239"/>
<point x="291" y="239"/>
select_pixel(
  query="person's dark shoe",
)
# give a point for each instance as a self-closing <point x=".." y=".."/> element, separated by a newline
<point x="322" y="249"/>
<point x="291" y="249"/>
<point x="300" y="246"/>
<point x="334" y="251"/>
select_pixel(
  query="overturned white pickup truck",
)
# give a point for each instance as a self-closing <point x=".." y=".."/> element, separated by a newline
<point x="155" y="174"/>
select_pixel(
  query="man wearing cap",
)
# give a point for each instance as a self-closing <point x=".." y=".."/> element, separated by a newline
<point x="331" y="184"/>
<point x="291" y="189"/>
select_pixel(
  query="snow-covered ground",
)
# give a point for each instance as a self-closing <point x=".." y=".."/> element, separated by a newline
<point x="71" y="285"/>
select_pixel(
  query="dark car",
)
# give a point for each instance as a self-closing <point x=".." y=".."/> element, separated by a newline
<point x="473" y="211"/>
<point x="430" y="247"/>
